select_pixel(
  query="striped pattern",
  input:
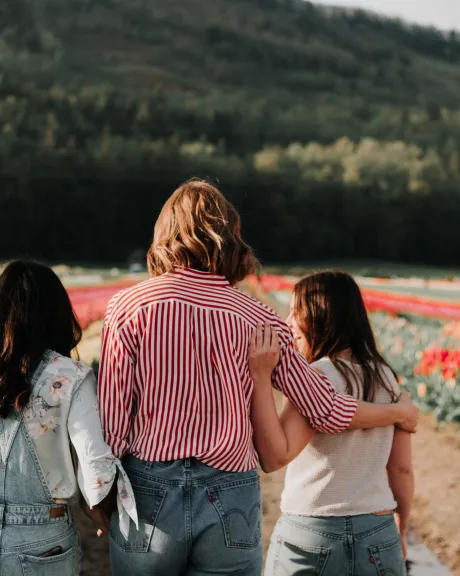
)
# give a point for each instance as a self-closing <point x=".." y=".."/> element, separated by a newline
<point x="174" y="379"/>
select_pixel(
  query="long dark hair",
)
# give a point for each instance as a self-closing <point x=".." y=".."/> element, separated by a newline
<point x="35" y="315"/>
<point x="330" y="311"/>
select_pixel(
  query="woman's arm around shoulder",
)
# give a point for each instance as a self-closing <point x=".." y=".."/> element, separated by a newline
<point x="326" y="409"/>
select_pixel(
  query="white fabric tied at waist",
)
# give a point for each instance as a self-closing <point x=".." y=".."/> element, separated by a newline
<point x="126" y="502"/>
<point x="99" y="485"/>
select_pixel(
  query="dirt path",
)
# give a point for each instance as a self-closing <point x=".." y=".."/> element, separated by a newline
<point x="435" y="516"/>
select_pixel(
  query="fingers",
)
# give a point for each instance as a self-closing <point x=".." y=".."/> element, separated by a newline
<point x="259" y="336"/>
<point x="264" y="339"/>
<point x="253" y="342"/>
<point x="267" y="336"/>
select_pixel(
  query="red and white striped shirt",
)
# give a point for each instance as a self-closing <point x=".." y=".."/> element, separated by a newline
<point x="174" y="380"/>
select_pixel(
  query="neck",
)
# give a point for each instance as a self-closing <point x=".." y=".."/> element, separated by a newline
<point x="346" y="354"/>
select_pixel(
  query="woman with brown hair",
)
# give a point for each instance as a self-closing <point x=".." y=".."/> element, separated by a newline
<point x="340" y="491"/>
<point x="175" y="394"/>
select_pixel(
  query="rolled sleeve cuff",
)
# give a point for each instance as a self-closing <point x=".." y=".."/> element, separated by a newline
<point x="340" y="417"/>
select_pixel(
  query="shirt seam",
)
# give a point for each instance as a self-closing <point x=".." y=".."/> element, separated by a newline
<point x="168" y="301"/>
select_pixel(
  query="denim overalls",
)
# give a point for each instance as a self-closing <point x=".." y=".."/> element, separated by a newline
<point x="31" y="523"/>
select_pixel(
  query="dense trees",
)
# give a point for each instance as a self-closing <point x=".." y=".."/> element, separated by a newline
<point x="337" y="133"/>
<point x="300" y="203"/>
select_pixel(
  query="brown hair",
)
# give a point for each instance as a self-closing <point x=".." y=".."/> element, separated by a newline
<point x="35" y="315"/>
<point x="198" y="228"/>
<point x="330" y="311"/>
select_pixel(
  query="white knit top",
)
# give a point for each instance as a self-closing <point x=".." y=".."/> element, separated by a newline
<point x="345" y="474"/>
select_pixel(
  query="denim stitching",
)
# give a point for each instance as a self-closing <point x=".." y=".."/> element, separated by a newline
<point x="150" y="478"/>
<point x="230" y="485"/>
<point x="323" y="553"/>
<point x="277" y="554"/>
<point x="40" y="473"/>
<point x="40" y="544"/>
<point x="314" y="530"/>
<point x="188" y="508"/>
<point x="149" y="491"/>
<point x="70" y="553"/>
<point x="392" y="544"/>
<point x="223" y="516"/>
<point x="142" y="548"/>
<point x="219" y="476"/>
<point x="375" y="530"/>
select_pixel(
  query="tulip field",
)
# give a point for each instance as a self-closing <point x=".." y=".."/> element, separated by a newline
<point x="426" y="356"/>
<point x="90" y="302"/>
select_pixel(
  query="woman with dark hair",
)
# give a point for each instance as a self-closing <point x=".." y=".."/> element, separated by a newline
<point x="340" y="492"/>
<point x="48" y="407"/>
<point x="175" y="394"/>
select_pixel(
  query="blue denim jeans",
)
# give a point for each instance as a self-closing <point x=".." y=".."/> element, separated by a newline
<point x="366" y="545"/>
<point x="31" y="524"/>
<point x="193" y="521"/>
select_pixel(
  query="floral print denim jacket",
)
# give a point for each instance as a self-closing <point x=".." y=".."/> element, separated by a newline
<point x="64" y="405"/>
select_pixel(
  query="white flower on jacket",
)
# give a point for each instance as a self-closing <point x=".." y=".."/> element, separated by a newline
<point x="41" y="427"/>
<point x="60" y="388"/>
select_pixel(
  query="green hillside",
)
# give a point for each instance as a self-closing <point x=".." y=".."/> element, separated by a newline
<point x="249" y="72"/>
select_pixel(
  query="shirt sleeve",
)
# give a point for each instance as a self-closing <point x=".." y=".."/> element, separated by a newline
<point x="312" y="393"/>
<point x="98" y="468"/>
<point x="115" y="390"/>
<point x="96" y="463"/>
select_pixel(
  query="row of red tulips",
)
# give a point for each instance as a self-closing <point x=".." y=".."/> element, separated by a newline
<point x="376" y="300"/>
<point x="437" y="359"/>
<point x="90" y="302"/>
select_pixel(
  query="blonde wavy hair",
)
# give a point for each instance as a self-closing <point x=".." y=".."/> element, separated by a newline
<point x="198" y="228"/>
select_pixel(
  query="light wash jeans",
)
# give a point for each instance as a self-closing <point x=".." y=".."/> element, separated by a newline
<point x="31" y="523"/>
<point x="193" y="521"/>
<point x="366" y="545"/>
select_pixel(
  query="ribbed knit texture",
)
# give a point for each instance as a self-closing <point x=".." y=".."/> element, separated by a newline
<point x="345" y="474"/>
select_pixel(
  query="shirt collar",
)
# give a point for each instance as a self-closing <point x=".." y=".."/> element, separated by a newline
<point x="199" y="276"/>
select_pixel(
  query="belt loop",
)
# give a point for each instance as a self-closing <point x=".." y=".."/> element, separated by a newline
<point x="69" y="515"/>
<point x="187" y="462"/>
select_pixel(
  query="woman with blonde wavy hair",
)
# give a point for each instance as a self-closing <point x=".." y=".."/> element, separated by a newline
<point x="175" y="394"/>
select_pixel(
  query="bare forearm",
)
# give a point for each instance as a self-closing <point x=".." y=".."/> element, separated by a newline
<point x="278" y="438"/>
<point x="402" y="486"/>
<point x="370" y="415"/>
<point x="269" y="437"/>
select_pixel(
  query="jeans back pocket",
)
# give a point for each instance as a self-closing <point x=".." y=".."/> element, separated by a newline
<point x="66" y="564"/>
<point x="291" y="558"/>
<point x="239" y="506"/>
<point x="149" y="501"/>
<point x="388" y="558"/>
